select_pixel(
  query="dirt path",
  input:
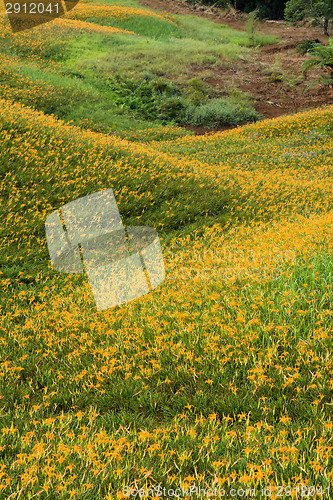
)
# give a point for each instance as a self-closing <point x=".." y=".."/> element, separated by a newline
<point x="277" y="92"/>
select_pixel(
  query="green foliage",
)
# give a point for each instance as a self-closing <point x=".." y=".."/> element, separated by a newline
<point x="222" y="4"/>
<point x="149" y="98"/>
<point x="196" y="91"/>
<point x="306" y="46"/>
<point x="206" y="30"/>
<point x="323" y="8"/>
<point x="322" y="57"/>
<point x="267" y="9"/>
<point x="251" y="26"/>
<point x="155" y="28"/>
<point x="295" y="10"/>
<point x="162" y="100"/>
<point x="217" y="112"/>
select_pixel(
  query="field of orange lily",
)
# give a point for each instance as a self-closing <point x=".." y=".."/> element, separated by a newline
<point x="220" y="378"/>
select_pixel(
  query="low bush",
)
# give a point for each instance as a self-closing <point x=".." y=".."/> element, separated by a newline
<point x="322" y="57"/>
<point x="220" y="111"/>
<point x="306" y="46"/>
<point x="162" y="100"/>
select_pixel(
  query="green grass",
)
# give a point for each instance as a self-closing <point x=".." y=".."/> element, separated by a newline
<point x="97" y="93"/>
<point x="217" y="33"/>
<point x="155" y="29"/>
<point x="86" y="68"/>
<point x="158" y="57"/>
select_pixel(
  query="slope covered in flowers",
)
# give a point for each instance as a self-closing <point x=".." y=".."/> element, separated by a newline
<point x="222" y="376"/>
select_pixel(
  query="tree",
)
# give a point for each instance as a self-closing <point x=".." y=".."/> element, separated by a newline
<point x="324" y="9"/>
<point x="270" y="9"/>
<point x="296" y="10"/>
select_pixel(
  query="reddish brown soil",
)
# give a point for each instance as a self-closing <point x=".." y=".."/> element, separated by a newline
<point x="273" y="96"/>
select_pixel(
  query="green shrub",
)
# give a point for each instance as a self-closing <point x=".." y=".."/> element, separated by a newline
<point x="158" y="99"/>
<point x="219" y="112"/>
<point x="306" y="46"/>
<point x="322" y="57"/>
<point x="150" y="98"/>
<point x="196" y="91"/>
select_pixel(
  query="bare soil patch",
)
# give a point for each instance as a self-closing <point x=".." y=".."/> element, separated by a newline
<point x="273" y="76"/>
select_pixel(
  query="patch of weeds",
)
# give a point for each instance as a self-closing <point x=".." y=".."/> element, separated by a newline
<point x="321" y="58"/>
<point x="235" y="109"/>
<point x="150" y="98"/>
<point x="159" y="99"/>
<point x="275" y="72"/>
<point x="306" y="46"/>
<point x="196" y="91"/>
<point x="221" y="111"/>
<point x="251" y="28"/>
<point x="238" y="96"/>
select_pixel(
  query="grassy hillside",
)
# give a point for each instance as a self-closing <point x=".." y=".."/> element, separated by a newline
<point x="115" y="69"/>
<point x="222" y="376"/>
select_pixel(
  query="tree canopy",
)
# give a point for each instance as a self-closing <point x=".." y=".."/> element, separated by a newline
<point x="296" y="10"/>
<point x="291" y="10"/>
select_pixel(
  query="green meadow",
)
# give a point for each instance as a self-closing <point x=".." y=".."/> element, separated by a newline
<point x="116" y="69"/>
<point x="221" y="377"/>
